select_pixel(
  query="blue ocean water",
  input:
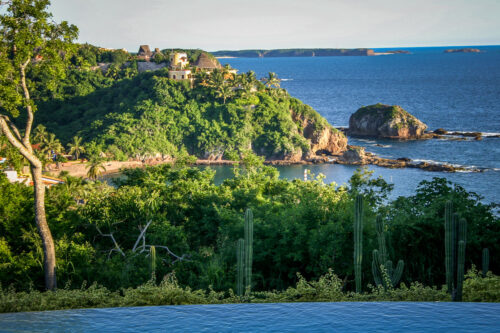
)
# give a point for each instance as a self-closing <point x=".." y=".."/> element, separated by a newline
<point x="290" y="317"/>
<point x="457" y="91"/>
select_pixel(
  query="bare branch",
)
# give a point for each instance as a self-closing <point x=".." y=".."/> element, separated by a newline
<point x="143" y="231"/>
<point x="12" y="127"/>
<point x="178" y="258"/>
<point x="27" y="152"/>
<point x="117" y="247"/>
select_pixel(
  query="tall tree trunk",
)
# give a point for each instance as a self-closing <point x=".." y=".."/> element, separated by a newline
<point x="49" y="258"/>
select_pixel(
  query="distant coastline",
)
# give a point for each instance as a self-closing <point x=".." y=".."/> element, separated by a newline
<point x="301" y="53"/>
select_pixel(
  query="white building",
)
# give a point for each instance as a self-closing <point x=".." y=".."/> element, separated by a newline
<point x="178" y="60"/>
<point x="183" y="74"/>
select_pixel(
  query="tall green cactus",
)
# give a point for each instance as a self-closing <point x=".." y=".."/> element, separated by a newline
<point x="244" y="256"/>
<point x="455" y="243"/>
<point x="460" y="271"/>
<point x="248" y="248"/>
<point x="381" y="266"/>
<point x="240" y="264"/>
<point x="152" y="253"/>
<point x="448" y="223"/>
<point x="486" y="261"/>
<point x="358" y="240"/>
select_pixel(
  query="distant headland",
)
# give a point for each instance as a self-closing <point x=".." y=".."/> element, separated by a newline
<point x="301" y="53"/>
<point x="465" y="50"/>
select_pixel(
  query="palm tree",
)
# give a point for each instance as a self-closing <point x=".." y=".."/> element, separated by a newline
<point x="251" y="77"/>
<point x="272" y="80"/>
<point x="40" y="134"/>
<point x="202" y="78"/>
<point x="224" y="91"/>
<point x="221" y="86"/>
<point x="76" y="147"/>
<point x="51" y="145"/>
<point x="216" y="79"/>
<point x="95" y="167"/>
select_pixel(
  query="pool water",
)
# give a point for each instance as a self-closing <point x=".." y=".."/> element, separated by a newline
<point x="286" y="317"/>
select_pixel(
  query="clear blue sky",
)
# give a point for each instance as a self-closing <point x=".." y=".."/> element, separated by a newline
<point x="244" y="24"/>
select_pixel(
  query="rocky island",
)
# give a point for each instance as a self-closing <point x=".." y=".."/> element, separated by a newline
<point x="385" y="121"/>
<point x="465" y="50"/>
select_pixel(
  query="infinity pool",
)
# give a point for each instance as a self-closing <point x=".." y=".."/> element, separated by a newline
<point x="289" y="317"/>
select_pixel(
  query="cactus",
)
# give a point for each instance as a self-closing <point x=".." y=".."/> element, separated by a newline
<point x="381" y="265"/>
<point x="248" y="248"/>
<point x="379" y="270"/>
<point x="448" y="222"/>
<point x="455" y="243"/>
<point x="486" y="261"/>
<point x="460" y="271"/>
<point x="244" y="256"/>
<point x="240" y="260"/>
<point x="358" y="240"/>
<point x="152" y="252"/>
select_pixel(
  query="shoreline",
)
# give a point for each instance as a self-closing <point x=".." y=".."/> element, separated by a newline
<point x="80" y="169"/>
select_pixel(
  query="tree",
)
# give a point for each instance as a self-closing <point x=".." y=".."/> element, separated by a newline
<point x="51" y="145"/>
<point x="221" y="86"/>
<point x="95" y="167"/>
<point x="40" y="134"/>
<point x="29" y="39"/>
<point x="272" y="80"/>
<point x="76" y="147"/>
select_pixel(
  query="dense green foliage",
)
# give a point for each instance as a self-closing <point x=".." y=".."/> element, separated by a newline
<point x="150" y="114"/>
<point x="299" y="226"/>
<point x="388" y="112"/>
<point x="327" y="288"/>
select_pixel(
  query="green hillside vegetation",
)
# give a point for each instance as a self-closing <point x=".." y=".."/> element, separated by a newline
<point x="148" y="114"/>
<point x="389" y="112"/>
<point x="299" y="227"/>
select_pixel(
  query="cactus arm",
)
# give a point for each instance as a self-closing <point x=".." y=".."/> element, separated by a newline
<point x="486" y="261"/>
<point x="240" y="259"/>
<point x="398" y="272"/>
<point x="248" y="248"/>
<point x="358" y="241"/>
<point x="152" y="252"/>
<point x="460" y="271"/>
<point x="382" y="248"/>
<point x="448" y="244"/>
<point x="376" y="274"/>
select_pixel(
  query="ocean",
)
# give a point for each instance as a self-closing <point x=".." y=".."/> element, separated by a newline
<point x="454" y="91"/>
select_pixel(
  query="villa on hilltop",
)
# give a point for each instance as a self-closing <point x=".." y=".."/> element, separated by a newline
<point x="179" y="68"/>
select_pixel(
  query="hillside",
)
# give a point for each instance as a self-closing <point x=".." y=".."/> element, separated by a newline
<point x="149" y="115"/>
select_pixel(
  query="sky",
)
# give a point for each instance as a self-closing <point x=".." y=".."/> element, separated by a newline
<point x="269" y="24"/>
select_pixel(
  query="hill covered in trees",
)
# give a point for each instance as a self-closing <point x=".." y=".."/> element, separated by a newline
<point x="129" y="115"/>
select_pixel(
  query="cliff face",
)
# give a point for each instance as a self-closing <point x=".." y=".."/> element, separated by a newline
<point x="385" y="121"/>
<point x="323" y="139"/>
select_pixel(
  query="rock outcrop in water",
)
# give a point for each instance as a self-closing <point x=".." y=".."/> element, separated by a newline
<point x="323" y="139"/>
<point x="354" y="155"/>
<point x="385" y="121"/>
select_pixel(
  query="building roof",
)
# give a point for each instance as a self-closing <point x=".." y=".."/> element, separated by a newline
<point x="144" y="50"/>
<point x="205" y="62"/>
